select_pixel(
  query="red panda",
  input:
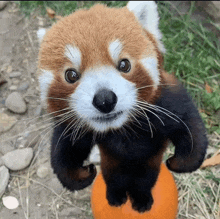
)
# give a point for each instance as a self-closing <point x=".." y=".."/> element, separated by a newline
<point x="103" y="81"/>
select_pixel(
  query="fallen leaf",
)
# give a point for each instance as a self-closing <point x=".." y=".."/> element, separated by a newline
<point x="215" y="160"/>
<point x="51" y="13"/>
<point x="2" y="81"/>
<point x="205" y="112"/>
<point x="201" y="110"/>
<point x="208" y="88"/>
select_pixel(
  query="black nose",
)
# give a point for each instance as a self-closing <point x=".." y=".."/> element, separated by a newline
<point x="105" y="101"/>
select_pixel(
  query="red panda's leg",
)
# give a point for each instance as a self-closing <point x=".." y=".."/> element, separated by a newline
<point x="143" y="181"/>
<point x="134" y="179"/>
<point x="117" y="188"/>
<point x="140" y="191"/>
<point x="67" y="160"/>
<point x="116" y="181"/>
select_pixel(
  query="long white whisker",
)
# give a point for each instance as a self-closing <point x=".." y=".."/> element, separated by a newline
<point x="184" y="125"/>
<point x="57" y="123"/>
<point x="84" y="130"/>
<point x="79" y="126"/>
<point x="57" y="98"/>
<point x="69" y="126"/>
<point x="32" y="120"/>
<point x="161" y="109"/>
<point x="50" y="128"/>
<point x="63" y="133"/>
<point x="138" y="88"/>
<point x="135" y="119"/>
<point x="129" y="127"/>
<point x="155" y="108"/>
<point x="53" y="117"/>
<point x="155" y="115"/>
<point x="147" y="120"/>
<point x="137" y="112"/>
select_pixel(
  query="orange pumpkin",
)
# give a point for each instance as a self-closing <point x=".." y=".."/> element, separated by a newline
<point x="165" y="204"/>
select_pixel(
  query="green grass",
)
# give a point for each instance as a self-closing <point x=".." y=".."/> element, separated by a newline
<point x="192" y="51"/>
<point x="193" y="55"/>
<point x="62" y="7"/>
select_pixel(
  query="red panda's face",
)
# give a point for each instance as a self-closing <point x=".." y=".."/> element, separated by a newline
<point x="96" y="64"/>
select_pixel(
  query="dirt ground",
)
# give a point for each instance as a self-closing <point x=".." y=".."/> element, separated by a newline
<point x="39" y="198"/>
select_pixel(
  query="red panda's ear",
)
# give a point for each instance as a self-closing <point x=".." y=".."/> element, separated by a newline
<point x="147" y="15"/>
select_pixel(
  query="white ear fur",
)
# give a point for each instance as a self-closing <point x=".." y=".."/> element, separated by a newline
<point x="40" y="34"/>
<point x="147" y="15"/>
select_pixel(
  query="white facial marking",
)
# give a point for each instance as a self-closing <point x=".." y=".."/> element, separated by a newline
<point x="74" y="55"/>
<point x="115" y="49"/>
<point x="151" y="66"/>
<point x="45" y="81"/>
<point x="105" y="77"/>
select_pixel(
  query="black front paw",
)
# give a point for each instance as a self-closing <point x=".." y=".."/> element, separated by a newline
<point x="183" y="165"/>
<point x="116" y="198"/>
<point x="142" y="202"/>
<point x="77" y="179"/>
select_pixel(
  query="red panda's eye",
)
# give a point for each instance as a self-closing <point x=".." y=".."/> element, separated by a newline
<point x="124" y="65"/>
<point x="71" y="75"/>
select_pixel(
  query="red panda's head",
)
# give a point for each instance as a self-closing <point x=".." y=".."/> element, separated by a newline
<point x="97" y="63"/>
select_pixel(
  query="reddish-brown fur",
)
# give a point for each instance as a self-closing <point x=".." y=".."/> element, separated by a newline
<point x="130" y="163"/>
<point x="92" y="31"/>
<point x="95" y="30"/>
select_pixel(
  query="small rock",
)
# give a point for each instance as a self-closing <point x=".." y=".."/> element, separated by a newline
<point x="15" y="103"/>
<point x="56" y="185"/>
<point x="3" y="4"/>
<point x="15" y="74"/>
<point x="42" y="171"/>
<point x="6" y="147"/>
<point x="18" y="159"/>
<point x="15" y="81"/>
<point x="6" y="122"/>
<point x="13" y="88"/>
<point x="4" y="177"/>
<point x="24" y="86"/>
<point x="10" y="202"/>
<point x="71" y="212"/>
